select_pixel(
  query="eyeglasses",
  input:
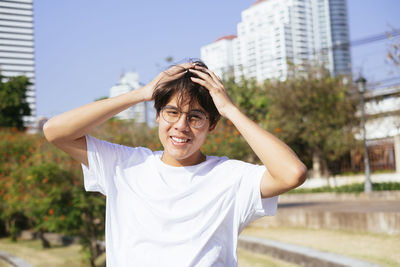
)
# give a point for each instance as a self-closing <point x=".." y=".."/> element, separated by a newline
<point x="195" y="118"/>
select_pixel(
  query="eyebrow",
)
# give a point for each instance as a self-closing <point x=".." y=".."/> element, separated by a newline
<point x="174" y="107"/>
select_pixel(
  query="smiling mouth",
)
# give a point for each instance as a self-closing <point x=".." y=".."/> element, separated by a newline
<point x="179" y="140"/>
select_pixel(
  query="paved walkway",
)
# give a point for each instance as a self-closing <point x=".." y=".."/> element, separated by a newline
<point x="13" y="260"/>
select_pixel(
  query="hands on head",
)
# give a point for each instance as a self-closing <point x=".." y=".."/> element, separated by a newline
<point x="213" y="84"/>
<point x="173" y="73"/>
<point x="200" y="75"/>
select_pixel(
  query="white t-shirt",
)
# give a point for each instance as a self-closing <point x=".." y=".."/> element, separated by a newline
<point x="160" y="215"/>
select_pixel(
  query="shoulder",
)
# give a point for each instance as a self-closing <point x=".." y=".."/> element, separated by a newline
<point x="227" y="163"/>
<point x="113" y="150"/>
<point x="233" y="167"/>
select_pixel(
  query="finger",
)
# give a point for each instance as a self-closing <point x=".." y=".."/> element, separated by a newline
<point x="209" y="72"/>
<point x="201" y="82"/>
<point x="167" y="77"/>
<point x="204" y="76"/>
<point x="175" y="76"/>
<point x="179" y="68"/>
<point x="174" y="70"/>
<point x="187" y="65"/>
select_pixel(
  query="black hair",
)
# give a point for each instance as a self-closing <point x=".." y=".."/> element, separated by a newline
<point x="188" y="92"/>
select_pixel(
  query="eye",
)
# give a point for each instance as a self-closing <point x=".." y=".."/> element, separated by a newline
<point x="172" y="112"/>
<point x="196" y="116"/>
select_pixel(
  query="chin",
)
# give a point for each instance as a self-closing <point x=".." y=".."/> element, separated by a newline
<point x="180" y="156"/>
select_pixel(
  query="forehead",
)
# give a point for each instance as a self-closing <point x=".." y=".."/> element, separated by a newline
<point x="184" y="102"/>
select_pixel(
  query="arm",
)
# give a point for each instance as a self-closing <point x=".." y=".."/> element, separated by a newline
<point x="67" y="131"/>
<point x="284" y="170"/>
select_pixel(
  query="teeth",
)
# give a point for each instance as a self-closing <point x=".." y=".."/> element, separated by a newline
<point x="179" y="140"/>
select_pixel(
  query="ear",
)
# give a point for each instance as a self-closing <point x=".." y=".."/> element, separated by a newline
<point x="212" y="127"/>
<point x="158" y="118"/>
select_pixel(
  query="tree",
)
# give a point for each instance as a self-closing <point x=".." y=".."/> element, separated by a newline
<point x="41" y="188"/>
<point x="250" y="97"/>
<point x="15" y="149"/>
<point x="393" y="53"/>
<point x="47" y="199"/>
<point x="13" y="104"/>
<point x="315" y="114"/>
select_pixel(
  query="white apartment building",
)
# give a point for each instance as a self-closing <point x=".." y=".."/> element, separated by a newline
<point x="17" y="45"/>
<point x="143" y="112"/>
<point x="219" y="55"/>
<point x="273" y="33"/>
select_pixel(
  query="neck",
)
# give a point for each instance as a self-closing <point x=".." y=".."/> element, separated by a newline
<point x="193" y="160"/>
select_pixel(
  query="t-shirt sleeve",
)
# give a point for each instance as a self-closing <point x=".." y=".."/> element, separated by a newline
<point x="103" y="157"/>
<point x="250" y="205"/>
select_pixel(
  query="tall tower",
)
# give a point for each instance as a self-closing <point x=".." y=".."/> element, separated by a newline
<point x="340" y="36"/>
<point x="274" y="33"/>
<point x="17" y="45"/>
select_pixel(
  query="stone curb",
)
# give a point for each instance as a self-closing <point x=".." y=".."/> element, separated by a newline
<point x="13" y="260"/>
<point x="332" y="196"/>
<point x="299" y="255"/>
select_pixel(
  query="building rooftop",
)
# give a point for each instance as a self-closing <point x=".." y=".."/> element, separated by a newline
<point x="257" y="2"/>
<point x="388" y="91"/>
<point x="226" y="37"/>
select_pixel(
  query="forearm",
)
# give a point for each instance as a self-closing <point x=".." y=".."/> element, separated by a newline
<point x="284" y="170"/>
<point x="78" y="122"/>
<point x="281" y="162"/>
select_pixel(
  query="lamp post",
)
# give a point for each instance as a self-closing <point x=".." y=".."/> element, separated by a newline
<point x="361" y="81"/>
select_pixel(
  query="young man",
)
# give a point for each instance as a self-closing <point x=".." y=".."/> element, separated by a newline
<point x="177" y="207"/>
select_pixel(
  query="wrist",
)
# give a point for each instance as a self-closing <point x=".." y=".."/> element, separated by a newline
<point x="141" y="94"/>
<point x="229" y="111"/>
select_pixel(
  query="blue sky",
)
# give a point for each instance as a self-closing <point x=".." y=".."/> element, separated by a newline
<point x="82" y="47"/>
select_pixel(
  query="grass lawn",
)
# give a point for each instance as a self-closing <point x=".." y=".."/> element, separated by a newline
<point x="32" y="252"/>
<point x="4" y="264"/>
<point x="377" y="248"/>
<point x="69" y="256"/>
<point x="249" y="259"/>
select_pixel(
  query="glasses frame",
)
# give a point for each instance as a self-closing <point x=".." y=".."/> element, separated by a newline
<point x="180" y="114"/>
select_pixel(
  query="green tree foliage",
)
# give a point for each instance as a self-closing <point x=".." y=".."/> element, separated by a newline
<point x="129" y="133"/>
<point x="225" y="140"/>
<point x="13" y="104"/>
<point x="101" y="98"/>
<point x="41" y="188"/>
<point x="393" y="53"/>
<point x="48" y="199"/>
<point x="314" y="113"/>
<point x="250" y="96"/>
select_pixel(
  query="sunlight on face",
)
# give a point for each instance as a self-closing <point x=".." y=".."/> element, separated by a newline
<point x="181" y="142"/>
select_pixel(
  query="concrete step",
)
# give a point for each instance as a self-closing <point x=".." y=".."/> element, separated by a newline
<point x="375" y="213"/>
<point x="299" y="255"/>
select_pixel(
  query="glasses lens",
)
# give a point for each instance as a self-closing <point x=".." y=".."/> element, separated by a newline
<point x="196" y="119"/>
<point x="170" y="114"/>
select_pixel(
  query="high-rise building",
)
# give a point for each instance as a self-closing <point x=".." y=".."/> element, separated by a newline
<point x="219" y="56"/>
<point x="334" y="33"/>
<point x="274" y="33"/>
<point x="141" y="112"/>
<point x="17" y="46"/>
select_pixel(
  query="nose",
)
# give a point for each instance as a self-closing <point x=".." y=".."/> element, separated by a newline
<point x="182" y="123"/>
